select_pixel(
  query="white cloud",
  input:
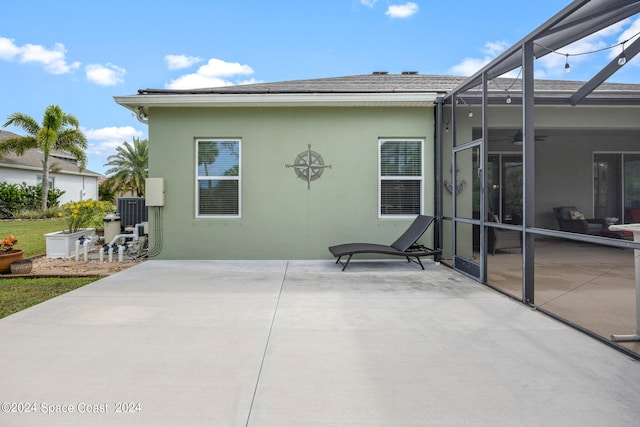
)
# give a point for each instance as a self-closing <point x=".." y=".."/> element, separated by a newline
<point x="402" y="10"/>
<point x="8" y="49"/>
<point x="103" y="142"/>
<point x="215" y="73"/>
<point x="197" y="81"/>
<point x="468" y="66"/>
<point x="628" y="36"/>
<point x="176" y="62"/>
<point x="53" y="60"/>
<point x="586" y="50"/>
<point x="249" y="82"/>
<point x="495" y="48"/>
<point x="369" y="3"/>
<point x="105" y="75"/>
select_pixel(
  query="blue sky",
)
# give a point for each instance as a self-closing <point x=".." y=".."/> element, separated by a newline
<point x="80" y="54"/>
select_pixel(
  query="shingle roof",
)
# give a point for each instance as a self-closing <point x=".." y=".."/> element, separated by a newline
<point x="32" y="159"/>
<point x="368" y="83"/>
<point x="549" y="90"/>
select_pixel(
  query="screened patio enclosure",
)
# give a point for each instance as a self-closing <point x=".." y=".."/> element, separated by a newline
<point x="532" y="173"/>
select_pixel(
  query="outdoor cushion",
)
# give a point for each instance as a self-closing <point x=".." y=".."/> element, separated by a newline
<point x="565" y="211"/>
<point x="576" y="215"/>
<point x="593" y="227"/>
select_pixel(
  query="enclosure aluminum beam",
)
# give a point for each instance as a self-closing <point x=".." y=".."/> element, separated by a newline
<point x="484" y="161"/>
<point x="579" y="19"/>
<point x="528" y="163"/>
<point x="439" y="161"/>
<point x="605" y="73"/>
<point x="513" y="51"/>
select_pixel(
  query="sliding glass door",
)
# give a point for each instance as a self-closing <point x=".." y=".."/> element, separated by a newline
<point x="616" y="186"/>
<point x="504" y="189"/>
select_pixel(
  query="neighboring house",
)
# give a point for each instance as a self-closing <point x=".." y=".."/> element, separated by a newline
<point x="235" y="159"/>
<point x="64" y="173"/>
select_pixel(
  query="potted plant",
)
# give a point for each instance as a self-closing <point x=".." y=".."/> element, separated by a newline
<point x="80" y="217"/>
<point x="8" y="254"/>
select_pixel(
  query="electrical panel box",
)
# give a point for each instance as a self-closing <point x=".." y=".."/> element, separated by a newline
<point x="154" y="191"/>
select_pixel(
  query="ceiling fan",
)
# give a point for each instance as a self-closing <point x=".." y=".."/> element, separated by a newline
<point x="516" y="139"/>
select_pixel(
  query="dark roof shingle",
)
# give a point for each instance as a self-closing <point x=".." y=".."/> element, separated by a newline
<point x="551" y="90"/>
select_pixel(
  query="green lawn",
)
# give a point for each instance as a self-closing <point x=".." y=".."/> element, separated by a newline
<point x="19" y="293"/>
<point x="30" y="233"/>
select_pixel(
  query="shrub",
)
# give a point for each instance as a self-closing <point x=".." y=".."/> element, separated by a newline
<point x="37" y="213"/>
<point x="20" y="197"/>
<point x="85" y="214"/>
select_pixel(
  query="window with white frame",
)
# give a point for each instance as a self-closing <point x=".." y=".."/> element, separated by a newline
<point x="401" y="183"/>
<point x="51" y="180"/>
<point x="218" y="178"/>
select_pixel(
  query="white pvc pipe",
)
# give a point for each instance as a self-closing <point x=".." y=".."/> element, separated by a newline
<point x="86" y="249"/>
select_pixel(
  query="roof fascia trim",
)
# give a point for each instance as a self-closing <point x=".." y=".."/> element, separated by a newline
<point x="275" y="100"/>
<point x="60" y="172"/>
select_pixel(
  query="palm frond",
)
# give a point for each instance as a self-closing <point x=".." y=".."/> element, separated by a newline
<point x="18" y="145"/>
<point x="24" y="122"/>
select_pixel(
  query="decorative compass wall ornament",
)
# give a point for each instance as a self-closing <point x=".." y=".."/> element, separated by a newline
<point x="308" y="166"/>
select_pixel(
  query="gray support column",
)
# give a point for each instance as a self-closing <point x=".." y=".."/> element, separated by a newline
<point x="454" y="176"/>
<point x="528" y="162"/>
<point x="484" y="160"/>
<point x="438" y="235"/>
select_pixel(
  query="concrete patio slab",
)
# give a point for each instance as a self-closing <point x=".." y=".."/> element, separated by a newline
<point x="300" y="343"/>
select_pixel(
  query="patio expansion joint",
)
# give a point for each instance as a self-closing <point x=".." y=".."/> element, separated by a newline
<point x="266" y="346"/>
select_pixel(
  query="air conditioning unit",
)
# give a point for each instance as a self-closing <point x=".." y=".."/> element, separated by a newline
<point x="132" y="211"/>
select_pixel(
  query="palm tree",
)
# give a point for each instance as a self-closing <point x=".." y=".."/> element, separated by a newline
<point x="59" y="132"/>
<point x="130" y="167"/>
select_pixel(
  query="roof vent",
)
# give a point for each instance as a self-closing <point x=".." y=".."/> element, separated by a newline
<point x="380" y="73"/>
<point x="409" y="73"/>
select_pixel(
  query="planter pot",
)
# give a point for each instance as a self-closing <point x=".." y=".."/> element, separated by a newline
<point x="7" y="258"/>
<point x="63" y="244"/>
<point x="22" y="266"/>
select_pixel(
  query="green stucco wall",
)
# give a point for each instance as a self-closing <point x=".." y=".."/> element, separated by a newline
<point x="281" y="218"/>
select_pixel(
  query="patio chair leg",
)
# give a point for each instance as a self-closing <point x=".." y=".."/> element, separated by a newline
<point x="347" y="263"/>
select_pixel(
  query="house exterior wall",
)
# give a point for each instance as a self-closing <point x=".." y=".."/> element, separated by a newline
<point x="73" y="185"/>
<point x="77" y="187"/>
<point x="281" y="218"/>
